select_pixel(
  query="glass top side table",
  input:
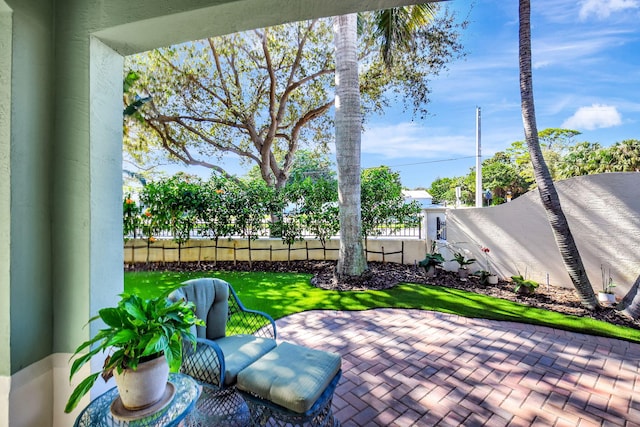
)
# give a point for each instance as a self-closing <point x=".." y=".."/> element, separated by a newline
<point x="98" y="413"/>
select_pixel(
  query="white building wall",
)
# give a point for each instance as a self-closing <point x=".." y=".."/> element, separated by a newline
<point x="604" y="216"/>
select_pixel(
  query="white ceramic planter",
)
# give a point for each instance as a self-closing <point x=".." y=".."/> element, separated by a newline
<point x="492" y="279"/>
<point x="430" y="272"/>
<point x="145" y="386"/>
<point x="606" y="298"/>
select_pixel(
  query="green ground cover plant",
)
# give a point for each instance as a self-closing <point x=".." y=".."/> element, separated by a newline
<point x="281" y="294"/>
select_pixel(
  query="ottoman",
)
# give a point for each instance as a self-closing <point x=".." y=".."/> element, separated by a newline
<point x="291" y="385"/>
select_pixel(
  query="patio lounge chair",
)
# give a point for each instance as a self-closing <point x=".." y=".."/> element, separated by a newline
<point x="284" y="385"/>
<point x="232" y="339"/>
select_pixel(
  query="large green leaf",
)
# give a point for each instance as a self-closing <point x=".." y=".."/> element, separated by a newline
<point x="174" y="354"/>
<point x="82" y="389"/>
<point x="157" y="344"/>
<point x="135" y="307"/>
<point x="111" y="316"/>
<point x="79" y="362"/>
<point x="99" y="336"/>
<point x="175" y="317"/>
<point x="122" y="337"/>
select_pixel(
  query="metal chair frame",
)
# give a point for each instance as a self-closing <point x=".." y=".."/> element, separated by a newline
<point x="206" y="364"/>
<point x="265" y="413"/>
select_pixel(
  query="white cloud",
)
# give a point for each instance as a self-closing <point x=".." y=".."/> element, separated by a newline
<point x="541" y="64"/>
<point x="558" y="11"/>
<point x="572" y="47"/>
<point x="409" y="139"/>
<point x="604" y="8"/>
<point x="594" y="117"/>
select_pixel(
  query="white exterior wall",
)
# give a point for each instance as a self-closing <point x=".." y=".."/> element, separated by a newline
<point x="430" y="221"/>
<point x="604" y="216"/>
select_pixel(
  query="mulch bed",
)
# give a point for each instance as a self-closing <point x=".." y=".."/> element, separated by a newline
<point x="387" y="275"/>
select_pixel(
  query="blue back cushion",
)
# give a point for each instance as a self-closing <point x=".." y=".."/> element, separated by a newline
<point x="211" y="298"/>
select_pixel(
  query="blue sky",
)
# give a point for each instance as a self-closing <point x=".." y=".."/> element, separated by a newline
<point x="586" y="60"/>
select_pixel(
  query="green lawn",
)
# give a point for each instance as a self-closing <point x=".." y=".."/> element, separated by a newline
<point x="281" y="294"/>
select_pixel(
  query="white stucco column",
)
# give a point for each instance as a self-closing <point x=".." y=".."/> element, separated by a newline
<point x="5" y="209"/>
<point x="5" y="180"/>
<point x="105" y="141"/>
<point x="88" y="210"/>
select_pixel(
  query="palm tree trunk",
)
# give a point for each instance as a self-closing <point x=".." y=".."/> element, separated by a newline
<point x="351" y="260"/>
<point x="630" y="304"/>
<point x="548" y="194"/>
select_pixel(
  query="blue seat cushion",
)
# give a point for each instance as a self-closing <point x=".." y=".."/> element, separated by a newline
<point x="241" y="351"/>
<point x="291" y="376"/>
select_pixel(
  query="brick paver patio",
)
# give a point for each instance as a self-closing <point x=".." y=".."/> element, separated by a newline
<point x="421" y="368"/>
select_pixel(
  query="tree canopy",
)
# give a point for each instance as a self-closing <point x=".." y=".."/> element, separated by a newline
<point x="510" y="171"/>
<point x="261" y="95"/>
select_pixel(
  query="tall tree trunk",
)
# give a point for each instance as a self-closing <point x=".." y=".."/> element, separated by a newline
<point x="352" y="260"/>
<point x="630" y="305"/>
<point x="548" y="194"/>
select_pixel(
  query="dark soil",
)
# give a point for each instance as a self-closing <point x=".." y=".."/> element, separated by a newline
<point x="388" y="275"/>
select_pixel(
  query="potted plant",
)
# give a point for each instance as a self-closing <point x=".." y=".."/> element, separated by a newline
<point x="606" y="295"/>
<point x="462" y="261"/>
<point x="490" y="278"/>
<point x="486" y="278"/>
<point x="431" y="261"/>
<point x="524" y="286"/>
<point x="142" y="336"/>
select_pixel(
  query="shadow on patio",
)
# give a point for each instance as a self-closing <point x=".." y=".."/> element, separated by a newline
<point x="422" y="368"/>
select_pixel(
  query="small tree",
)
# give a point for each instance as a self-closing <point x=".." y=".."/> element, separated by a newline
<point x="216" y="210"/>
<point x="251" y="205"/>
<point x="130" y="222"/>
<point x="314" y="203"/>
<point x="150" y="226"/>
<point x="131" y="217"/>
<point x="443" y="190"/>
<point x="382" y="201"/>
<point x="175" y="203"/>
<point x="320" y="209"/>
<point x="289" y="228"/>
<point x="626" y="155"/>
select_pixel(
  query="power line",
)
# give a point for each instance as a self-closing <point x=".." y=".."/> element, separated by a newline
<point x="432" y="161"/>
<point x="310" y="172"/>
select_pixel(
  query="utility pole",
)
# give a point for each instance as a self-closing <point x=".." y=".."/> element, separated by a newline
<point x="479" y="191"/>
